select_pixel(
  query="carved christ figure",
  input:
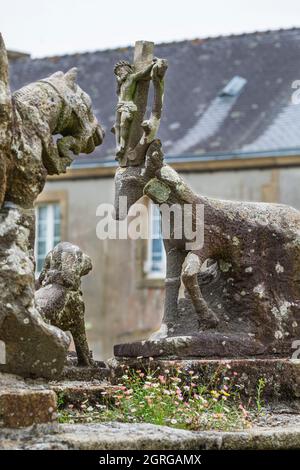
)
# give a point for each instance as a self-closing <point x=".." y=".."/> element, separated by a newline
<point x="126" y="108"/>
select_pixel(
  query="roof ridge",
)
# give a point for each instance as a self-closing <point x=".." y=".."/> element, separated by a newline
<point x="180" y="41"/>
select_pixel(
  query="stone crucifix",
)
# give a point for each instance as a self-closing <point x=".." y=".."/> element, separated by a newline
<point x="134" y="133"/>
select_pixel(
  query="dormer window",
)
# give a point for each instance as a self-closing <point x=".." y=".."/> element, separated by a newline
<point x="234" y="87"/>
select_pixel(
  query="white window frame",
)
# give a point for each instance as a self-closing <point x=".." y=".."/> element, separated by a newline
<point x="50" y="220"/>
<point x="154" y="217"/>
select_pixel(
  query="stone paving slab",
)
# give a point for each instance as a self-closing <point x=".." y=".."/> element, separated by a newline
<point x="120" y="436"/>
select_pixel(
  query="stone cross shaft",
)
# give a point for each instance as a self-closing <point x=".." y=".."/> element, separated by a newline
<point x="143" y="55"/>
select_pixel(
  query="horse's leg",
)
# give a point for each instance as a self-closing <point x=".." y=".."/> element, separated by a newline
<point x="175" y="259"/>
<point x="191" y="267"/>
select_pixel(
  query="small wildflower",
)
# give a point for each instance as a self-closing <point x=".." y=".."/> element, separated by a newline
<point x="218" y="415"/>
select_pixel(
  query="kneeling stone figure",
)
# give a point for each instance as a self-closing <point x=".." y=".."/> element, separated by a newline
<point x="58" y="295"/>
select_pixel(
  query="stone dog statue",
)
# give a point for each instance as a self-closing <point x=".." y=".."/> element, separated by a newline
<point x="59" y="298"/>
<point x="28" y="153"/>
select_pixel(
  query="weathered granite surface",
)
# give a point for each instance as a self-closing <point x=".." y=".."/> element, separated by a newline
<point x="25" y="403"/>
<point x="120" y="436"/>
<point x="28" y="153"/>
<point x="22" y="408"/>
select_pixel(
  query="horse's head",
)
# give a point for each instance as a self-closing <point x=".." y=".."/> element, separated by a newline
<point x="131" y="180"/>
<point x="76" y="121"/>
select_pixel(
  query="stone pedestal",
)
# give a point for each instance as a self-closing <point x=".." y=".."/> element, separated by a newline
<point x="202" y="345"/>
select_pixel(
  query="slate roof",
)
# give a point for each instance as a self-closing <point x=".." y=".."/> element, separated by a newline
<point x="197" y="122"/>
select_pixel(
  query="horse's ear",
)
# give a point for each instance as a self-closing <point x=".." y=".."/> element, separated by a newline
<point x="71" y="78"/>
<point x="57" y="75"/>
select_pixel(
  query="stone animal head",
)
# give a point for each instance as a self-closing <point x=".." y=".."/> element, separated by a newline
<point x="58" y="106"/>
<point x="65" y="265"/>
<point x="78" y="118"/>
<point x="130" y="181"/>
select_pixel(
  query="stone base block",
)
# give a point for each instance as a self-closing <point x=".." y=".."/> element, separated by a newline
<point x="71" y="371"/>
<point x="203" y="344"/>
<point x="98" y="372"/>
<point x="20" y="408"/>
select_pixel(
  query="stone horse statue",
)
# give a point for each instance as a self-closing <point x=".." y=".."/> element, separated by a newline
<point x="242" y="289"/>
<point x="28" y="153"/>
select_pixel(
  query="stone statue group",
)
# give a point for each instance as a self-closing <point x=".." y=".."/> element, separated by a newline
<point x="242" y="288"/>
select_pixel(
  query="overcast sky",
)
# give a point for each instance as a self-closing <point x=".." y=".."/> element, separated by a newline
<point x="50" y="27"/>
